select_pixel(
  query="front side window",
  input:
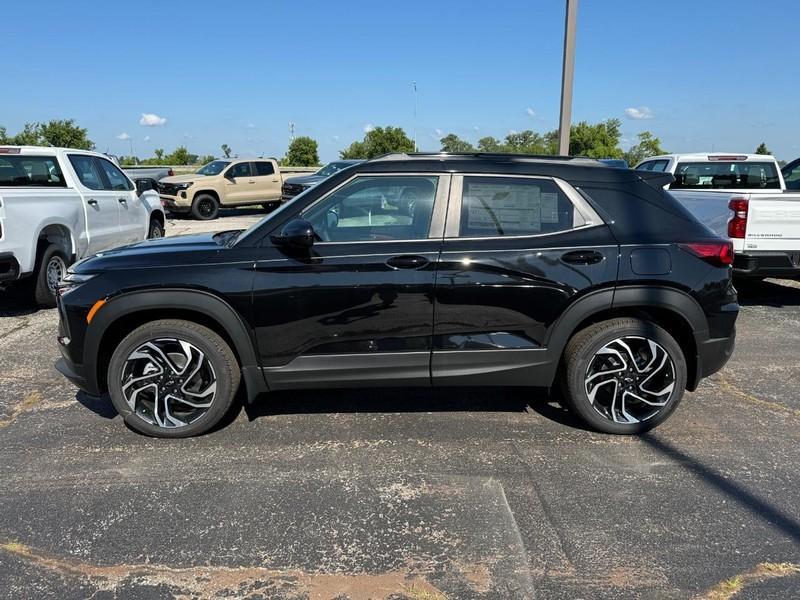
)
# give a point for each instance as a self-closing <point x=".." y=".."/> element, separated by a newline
<point x="240" y="170"/>
<point x="720" y="175"/>
<point x="500" y="206"/>
<point x="34" y="171"/>
<point x="86" y="170"/>
<point x="115" y="177"/>
<point x="376" y="209"/>
<point x="792" y="177"/>
<point x="264" y="168"/>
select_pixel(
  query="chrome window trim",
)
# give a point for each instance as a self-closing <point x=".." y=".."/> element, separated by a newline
<point x="440" y="201"/>
<point x="582" y="207"/>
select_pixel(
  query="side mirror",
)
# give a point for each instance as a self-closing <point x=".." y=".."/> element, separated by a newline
<point x="143" y="185"/>
<point x="229" y="175"/>
<point x="297" y="234"/>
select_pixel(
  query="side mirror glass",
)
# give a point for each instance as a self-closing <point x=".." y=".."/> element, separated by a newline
<point x="297" y="234"/>
<point x="143" y="185"/>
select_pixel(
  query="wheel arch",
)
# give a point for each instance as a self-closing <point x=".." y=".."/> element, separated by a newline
<point x="122" y="314"/>
<point x="59" y="234"/>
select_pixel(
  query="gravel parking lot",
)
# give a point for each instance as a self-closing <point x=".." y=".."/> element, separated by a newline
<point x="460" y="493"/>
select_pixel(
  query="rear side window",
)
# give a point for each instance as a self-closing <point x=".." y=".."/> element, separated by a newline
<point x="30" y="171"/>
<point x="115" y="177"/>
<point x="264" y="168"/>
<point x="719" y="175"/>
<point x="500" y="206"/>
<point x="653" y="165"/>
<point x="86" y="170"/>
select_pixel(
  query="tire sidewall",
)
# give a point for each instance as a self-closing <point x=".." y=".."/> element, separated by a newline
<point x="222" y="369"/>
<point x="155" y="225"/>
<point x="576" y="373"/>
<point x="196" y="207"/>
<point x="43" y="295"/>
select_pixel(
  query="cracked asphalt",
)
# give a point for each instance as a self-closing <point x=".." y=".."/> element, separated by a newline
<point x="416" y="494"/>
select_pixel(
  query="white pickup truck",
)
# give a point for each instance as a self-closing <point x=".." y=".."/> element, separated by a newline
<point x="59" y="205"/>
<point x="742" y="197"/>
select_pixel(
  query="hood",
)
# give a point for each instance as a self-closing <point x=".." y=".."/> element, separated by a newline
<point x="171" y="251"/>
<point x="305" y="179"/>
<point x="181" y="178"/>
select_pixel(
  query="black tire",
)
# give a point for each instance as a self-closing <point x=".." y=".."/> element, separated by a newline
<point x="44" y="293"/>
<point x="156" y="229"/>
<point x="583" y="349"/>
<point x="205" y="207"/>
<point x="141" y="417"/>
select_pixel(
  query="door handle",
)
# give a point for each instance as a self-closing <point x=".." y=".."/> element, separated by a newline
<point x="91" y="202"/>
<point x="275" y="181"/>
<point x="407" y="261"/>
<point x="122" y="200"/>
<point x="251" y="181"/>
<point x="582" y="257"/>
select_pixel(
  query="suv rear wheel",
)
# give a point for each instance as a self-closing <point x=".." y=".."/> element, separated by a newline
<point x="205" y="207"/>
<point x="172" y="378"/>
<point x="623" y="375"/>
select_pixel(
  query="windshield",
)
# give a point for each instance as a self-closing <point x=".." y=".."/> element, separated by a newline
<point x="332" y="168"/>
<point x="213" y="168"/>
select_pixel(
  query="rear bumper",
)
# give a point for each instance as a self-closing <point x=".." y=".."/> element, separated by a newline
<point x="767" y="264"/>
<point x="9" y="267"/>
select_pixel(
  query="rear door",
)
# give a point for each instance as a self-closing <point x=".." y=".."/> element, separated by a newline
<point x="517" y="251"/>
<point x="133" y="217"/>
<point x="101" y="205"/>
<point x="268" y="182"/>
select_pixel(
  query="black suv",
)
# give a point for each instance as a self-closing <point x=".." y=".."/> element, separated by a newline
<point x="416" y="270"/>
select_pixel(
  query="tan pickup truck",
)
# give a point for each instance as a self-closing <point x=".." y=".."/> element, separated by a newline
<point x="223" y="182"/>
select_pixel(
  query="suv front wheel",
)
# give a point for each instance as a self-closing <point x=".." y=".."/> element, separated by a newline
<point x="172" y="378"/>
<point x="623" y="375"/>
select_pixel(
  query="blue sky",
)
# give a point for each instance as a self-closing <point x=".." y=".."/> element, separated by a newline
<point x="703" y="74"/>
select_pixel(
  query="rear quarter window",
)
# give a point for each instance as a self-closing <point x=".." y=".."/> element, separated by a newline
<point x="30" y="171"/>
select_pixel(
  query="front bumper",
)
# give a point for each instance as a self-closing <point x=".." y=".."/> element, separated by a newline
<point x="75" y="373"/>
<point x="785" y="264"/>
<point x="171" y="204"/>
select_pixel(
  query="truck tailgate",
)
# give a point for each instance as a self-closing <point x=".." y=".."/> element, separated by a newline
<point x="773" y="222"/>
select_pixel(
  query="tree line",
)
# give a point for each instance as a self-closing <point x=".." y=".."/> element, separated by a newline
<point x="594" y="140"/>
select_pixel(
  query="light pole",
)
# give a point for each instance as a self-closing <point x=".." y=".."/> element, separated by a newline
<point x="132" y="155"/>
<point x="567" y="73"/>
<point x="414" y="83"/>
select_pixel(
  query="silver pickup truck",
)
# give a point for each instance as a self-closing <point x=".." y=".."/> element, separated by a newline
<point x="59" y="205"/>
<point x="742" y="197"/>
<point x="151" y="175"/>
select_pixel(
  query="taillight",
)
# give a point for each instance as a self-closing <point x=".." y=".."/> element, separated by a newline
<point x="737" y="226"/>
<point x="170" y="172"/>
<point x="719" y="254"/>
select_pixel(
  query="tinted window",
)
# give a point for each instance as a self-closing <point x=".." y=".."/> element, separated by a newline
<point x="376" y="209"/>
<point x="498" y="206"/>
<point x="659" y="165"/>
<point x="646" y="166"/>
<point x="264" y="168"/>
<point x="792" y="176"/>
<point x="240" y="170"/>
<point x="213" y="168"/>
<point x="725" y="175"/>
<point x="39" y="171"/>
<point x="86" y="170"/>
<point x="115" y="177"/>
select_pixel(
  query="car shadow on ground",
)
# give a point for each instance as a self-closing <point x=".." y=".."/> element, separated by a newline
<point x="16" y="301"/>
<point x="775" y="293"/>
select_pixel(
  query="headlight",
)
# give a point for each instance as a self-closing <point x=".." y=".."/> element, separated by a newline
<point x="71" y="281"/>
<point x="184" y="186"/>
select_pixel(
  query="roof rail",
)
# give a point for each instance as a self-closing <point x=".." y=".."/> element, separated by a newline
<point x="490" y="155"/>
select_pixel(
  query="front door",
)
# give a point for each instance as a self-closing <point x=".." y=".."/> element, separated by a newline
<point x="517" y="251"/>
<point x="133" y="218"/>
<point x="102" y="206"/>
<point x="240" y="186"/>
<point x="357" y="307"/>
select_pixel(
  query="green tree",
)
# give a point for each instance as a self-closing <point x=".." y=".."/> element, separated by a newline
<point x="64" y="133"/>
<point x="3" y="136"/>
<point x="302" y="152"/>
<point x="29" y="136"/>
<point x="452" y="143"/>
<point x="762" y="149"/>
<point x="128" y="160"/>
<point x="181" y="156"/>
<point x="600" y="140"/>
<point x="490" y="144"/>
<point x="379" y="141"/>
<point x="526" y="142"/>
<point x="226" y="150"/>
<point x="159" y="152"/>
<point x="647" y="146"/>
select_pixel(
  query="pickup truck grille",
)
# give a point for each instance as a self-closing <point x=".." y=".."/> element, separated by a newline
<point x="289" y="190"/>
<point x="168" y="189"/>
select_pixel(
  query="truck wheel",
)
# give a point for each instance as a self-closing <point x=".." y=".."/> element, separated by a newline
<point x="172" y="378"/>
<point x="51" y="267"/>
<point x="156" y="229"/>
<point x="205" y="207"/>
<point x="623" y="375"/>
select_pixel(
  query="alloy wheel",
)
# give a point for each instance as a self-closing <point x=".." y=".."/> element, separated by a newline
<point x="206" y="208"/>
<point x="168" y="382"/>
<point x="630" y="379"/>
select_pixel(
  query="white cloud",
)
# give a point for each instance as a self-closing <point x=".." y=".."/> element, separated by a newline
<point x="123" y="136"/>
<point x="531" y="112"/>
<point x="439" y="133"/>
<point x="147" y="138"/>
<point x="638" y="113"/>
<point x="152" y="120"/>
<point x="368" y="127"/>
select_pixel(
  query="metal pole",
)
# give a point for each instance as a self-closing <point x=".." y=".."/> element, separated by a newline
<point x="414" y="83"/>
<point x="567" y="74"/>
